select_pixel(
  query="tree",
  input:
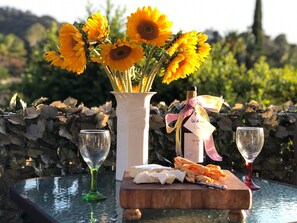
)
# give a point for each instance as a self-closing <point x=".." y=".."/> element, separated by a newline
<point x="35" y="33"/>
<point x="12" y="54"/>
<point x="257" y="25"/>
<point x="115" y="19"/>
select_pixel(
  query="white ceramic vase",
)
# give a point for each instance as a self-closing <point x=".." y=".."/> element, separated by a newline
<point x="133" y="110"/>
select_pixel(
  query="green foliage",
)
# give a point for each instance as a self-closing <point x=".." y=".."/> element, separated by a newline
<point x="115" y="20"/>
<point x="223" y="75"/>
<point x="11" y="45"/>
<point x="35" y="33"/>
<point x="4" y="74"/>
<point x="13" y="54"/>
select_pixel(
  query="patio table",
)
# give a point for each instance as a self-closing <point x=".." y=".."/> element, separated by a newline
<point x="57" y="199"/>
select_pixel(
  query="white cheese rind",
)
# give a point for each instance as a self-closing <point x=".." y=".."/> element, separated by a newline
<point x="134" y="170"/>
<point x="163" y="177"/>
<point x="145" y="177"/>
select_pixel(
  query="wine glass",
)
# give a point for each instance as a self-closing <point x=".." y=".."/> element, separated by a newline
<point x="94" y="146"/>
<point x="249" y="141"/>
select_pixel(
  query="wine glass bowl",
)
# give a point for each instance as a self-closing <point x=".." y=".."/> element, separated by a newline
<point x="94" y="147"/>
<point x="249" y="141"/>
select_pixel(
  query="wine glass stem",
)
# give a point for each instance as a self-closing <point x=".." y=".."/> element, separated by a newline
<point x="248" y="173"/>
<point x="94" y="173"/>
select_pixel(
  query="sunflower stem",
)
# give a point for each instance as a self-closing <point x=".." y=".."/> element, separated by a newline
<point x="152" y="51"/>
<point x="143" y="86"/>
<point x="111" y="79"/>
<point x="151" y="78"/>
<point x="95" y="52"/>
<point x="128" y="78"/>
<point x="119" y="74"/>
<point x="155" y="70"/>
<point x="108" y="72"/>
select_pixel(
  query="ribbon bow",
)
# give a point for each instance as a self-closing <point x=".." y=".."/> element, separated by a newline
<point x="196" y="108"/>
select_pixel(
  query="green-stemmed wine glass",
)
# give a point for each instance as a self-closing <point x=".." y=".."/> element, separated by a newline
<point x="94" y="146"/>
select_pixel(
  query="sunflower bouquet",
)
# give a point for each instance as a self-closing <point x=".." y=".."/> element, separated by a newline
<point x="148" y="49"/>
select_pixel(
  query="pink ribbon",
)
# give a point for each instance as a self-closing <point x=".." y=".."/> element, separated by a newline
<point x="198" y="104"/>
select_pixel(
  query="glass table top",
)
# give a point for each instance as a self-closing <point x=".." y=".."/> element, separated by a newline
<point x="59" y="197"/>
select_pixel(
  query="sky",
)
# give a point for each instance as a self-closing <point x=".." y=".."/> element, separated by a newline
<point x="278" y="17"/>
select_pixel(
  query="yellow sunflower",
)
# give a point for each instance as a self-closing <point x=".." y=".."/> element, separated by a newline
<point x="148" y="26"/>
<point x="203" y="48"/>
<point x="122" y="55"/>
<point x="55" y="59"/>
<point x="186" y="41"/>
<point x="181" y="66"/>
<point x="136" y="88"/>
<point x="72" y="48"/>
<point x="96" y="27"/>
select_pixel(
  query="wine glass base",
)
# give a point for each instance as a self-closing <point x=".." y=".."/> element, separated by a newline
<point x="252" y="185"/>
<point x="93" y="197"/>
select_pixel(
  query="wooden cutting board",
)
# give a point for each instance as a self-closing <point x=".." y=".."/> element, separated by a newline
<point x="237" y="196"/>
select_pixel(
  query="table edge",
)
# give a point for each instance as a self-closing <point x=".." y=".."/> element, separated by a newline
<point x="36" y="213"/>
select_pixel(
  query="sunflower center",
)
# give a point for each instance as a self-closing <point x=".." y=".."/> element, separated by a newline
<point x="148" y="30"/>
<point x="120" y="52"/>
<point x="181" y="63"/>
<point x="73" y="43"/>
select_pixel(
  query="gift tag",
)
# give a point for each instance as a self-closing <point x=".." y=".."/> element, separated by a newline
<point x="199" y="126"/>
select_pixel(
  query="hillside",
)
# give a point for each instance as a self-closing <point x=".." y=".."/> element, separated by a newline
<point x="19" y="32"/>
<point x="17" y="22"/>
